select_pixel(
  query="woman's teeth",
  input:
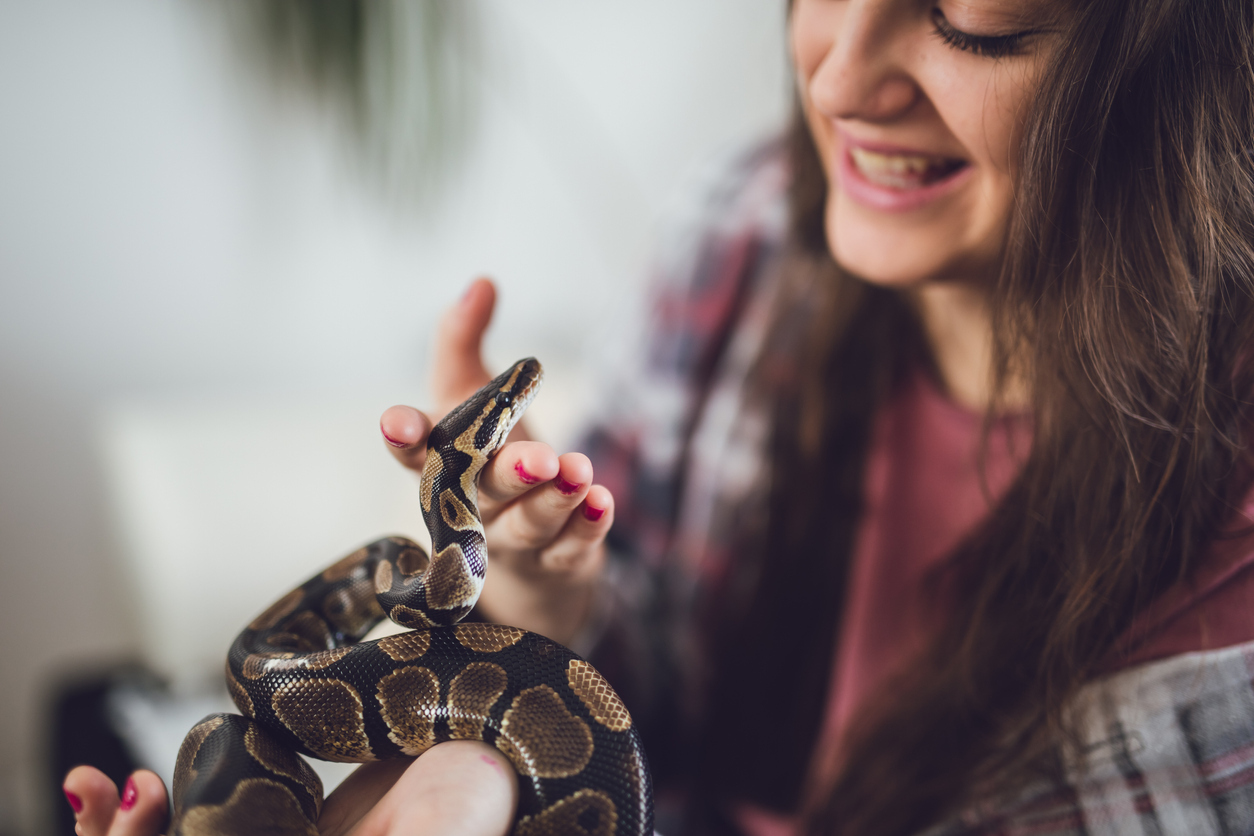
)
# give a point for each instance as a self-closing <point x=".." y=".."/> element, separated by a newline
<point x="902" y="171"/>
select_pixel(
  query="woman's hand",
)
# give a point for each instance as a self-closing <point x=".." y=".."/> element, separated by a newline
<point x="139" y="811"/>
<point x="546" y="524"/>
<point x="459" y="788"/>
<point x="545" y="520"/>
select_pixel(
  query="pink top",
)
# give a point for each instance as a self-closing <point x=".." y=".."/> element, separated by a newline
<point x="923" y="493"/>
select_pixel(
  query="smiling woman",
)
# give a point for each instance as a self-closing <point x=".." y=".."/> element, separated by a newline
<point x="993" y="377"/>
<point x="1013" y="456"/>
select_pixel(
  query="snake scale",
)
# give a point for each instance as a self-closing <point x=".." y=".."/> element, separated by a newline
<point x="307" y="683"/>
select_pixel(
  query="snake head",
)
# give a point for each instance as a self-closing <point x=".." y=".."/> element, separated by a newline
<point x="491" y="412"/>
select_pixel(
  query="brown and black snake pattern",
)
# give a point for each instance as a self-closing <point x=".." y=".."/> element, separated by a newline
<point x="307" y="683"/>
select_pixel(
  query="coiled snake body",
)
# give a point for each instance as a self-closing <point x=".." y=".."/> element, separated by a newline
<point x="307" y="682"/>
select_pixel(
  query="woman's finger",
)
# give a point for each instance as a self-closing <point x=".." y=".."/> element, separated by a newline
<point x="94" y="799"/>
<point x="533" y="521"/>
<point x="140" y="811"/>
<point x="142" y="808"/>
<point x="577" y="548"/>
<point x="357" y="795"/>
<point x="405" y="430"/>
<point x="458" y="788"/>
<point x="459" y="369"/>
<point x="518" y="468"/>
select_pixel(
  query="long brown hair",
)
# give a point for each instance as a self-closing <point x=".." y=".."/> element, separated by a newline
<point x="1127" y="298"/>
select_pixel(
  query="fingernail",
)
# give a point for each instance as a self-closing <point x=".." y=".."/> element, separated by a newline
<point x="466" y="294"/>
<point x="566" y="487"/>
<point x="129" y="795"/>
<point x="593" y="514"/>
<point x="524" y="475"/>
<point x="391" y="440"/>
<point x="76" y="803"/>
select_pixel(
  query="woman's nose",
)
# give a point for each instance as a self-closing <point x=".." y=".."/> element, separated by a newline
<point x="860" y="76"/>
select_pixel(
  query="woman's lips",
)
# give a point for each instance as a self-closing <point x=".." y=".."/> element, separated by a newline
<point x="896" y="180"/>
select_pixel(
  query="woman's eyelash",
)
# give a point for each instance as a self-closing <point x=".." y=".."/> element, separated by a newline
<point x="993" y="46"/>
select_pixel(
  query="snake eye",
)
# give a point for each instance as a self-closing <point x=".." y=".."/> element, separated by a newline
<point x="504" y="399"/>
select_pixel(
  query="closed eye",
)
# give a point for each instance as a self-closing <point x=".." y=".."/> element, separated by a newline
<point x="993" y="46"/>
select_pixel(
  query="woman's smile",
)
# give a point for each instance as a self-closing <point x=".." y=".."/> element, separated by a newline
<point x="896" y="179"/>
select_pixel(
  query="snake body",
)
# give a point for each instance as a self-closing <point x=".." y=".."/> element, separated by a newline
<point x="307" y="683"/>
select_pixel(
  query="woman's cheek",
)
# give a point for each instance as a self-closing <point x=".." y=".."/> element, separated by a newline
<point x="811" y="37"/>
<point x="812" y="29"/>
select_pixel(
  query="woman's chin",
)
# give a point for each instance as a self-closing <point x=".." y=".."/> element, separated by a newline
<point x="886" y="266"/>
<point x="905" y="255"/>
<point x="949" y="239"/>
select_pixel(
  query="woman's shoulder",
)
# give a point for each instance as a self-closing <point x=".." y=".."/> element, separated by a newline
<point x="1211" y="608"/>
<point x="738" y="187"/>
<point x="1164" y="747"/>
<point x="716" y="256"/>
<point x="739" y="195"/>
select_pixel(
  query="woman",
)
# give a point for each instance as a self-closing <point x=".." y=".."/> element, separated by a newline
<point x="960" y="542"/>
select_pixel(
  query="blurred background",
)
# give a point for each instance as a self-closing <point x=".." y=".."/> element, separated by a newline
<point x="226" y="231"/>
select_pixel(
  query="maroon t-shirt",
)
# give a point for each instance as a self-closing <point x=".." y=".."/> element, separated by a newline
<point x="925" y="489"/>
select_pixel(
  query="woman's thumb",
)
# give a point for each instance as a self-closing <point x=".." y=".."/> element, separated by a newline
<point x="459" y="369"/>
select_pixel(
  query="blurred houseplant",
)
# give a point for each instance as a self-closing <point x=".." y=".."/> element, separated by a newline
<point x="397" y="76"/>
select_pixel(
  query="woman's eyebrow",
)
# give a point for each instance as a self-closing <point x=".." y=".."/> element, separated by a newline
<point x="1011" y="13"/>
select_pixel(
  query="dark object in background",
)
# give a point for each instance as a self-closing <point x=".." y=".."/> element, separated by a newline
<point x="81" y="731"/>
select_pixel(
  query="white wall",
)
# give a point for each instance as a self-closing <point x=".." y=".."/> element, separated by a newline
<point x="171" y="235"/>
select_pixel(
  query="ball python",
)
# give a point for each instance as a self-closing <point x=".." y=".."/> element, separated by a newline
<point x="307" y="683"/>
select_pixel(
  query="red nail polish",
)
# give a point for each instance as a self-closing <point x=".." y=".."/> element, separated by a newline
<point x="566" y="487"/>
<point x="129" y="795"/>
<point x="76" y="803"/>
<point x="593" y="514"/>
<point x="524" y="475"/>
<point x="391" y="440"/>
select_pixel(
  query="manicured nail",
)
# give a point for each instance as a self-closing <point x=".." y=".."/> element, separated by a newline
<point x="593" y="514"/>
<point x="524" y="475"/>
<point x="129" y="795"/>
<point x="391" y="440"/>
<point x="76" y="803"/>
<point x="566" y="487"/>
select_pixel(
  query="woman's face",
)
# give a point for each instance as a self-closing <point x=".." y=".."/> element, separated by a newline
<point x="916" y="109"/>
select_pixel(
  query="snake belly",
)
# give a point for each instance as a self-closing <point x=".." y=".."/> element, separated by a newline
<point x="306" y="683"/>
